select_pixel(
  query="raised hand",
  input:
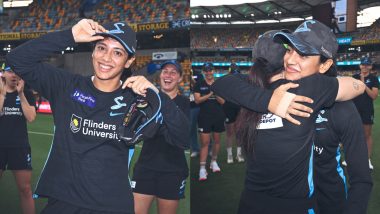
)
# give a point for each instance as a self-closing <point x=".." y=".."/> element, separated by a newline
<point x="20" y="86"/>
<point x="84" y="30"/>
<point x="3" y="88"/>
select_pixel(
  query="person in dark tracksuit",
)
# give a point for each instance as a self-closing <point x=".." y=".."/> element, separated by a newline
<point x="341" y="123"/>
<point x="161" y="170"/>
<point x="231" y="111"/>
<point x="88" y="166"/>
<point x="279" y="176"/>
<point x="364" y="102"/>
<point x="210" y="120"/>
<point x="17" y="107"/>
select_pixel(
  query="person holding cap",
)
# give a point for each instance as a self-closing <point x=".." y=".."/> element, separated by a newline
<point x="210" y="120"/>
<point x="160" y="172"/>
<point x="364" y="102"/>
<point x="279" y="177"/>
<point x="88" y="165"/>
<point x="17" y="107"/>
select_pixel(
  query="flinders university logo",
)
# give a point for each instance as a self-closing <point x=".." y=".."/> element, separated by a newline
<point x="75" y="123"/>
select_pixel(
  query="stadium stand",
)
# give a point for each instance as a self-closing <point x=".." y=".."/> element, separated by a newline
<point x="148" y="11"/>
<point x="47" y="15"/>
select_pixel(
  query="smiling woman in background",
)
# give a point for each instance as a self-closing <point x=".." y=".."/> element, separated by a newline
<point x="161" y="170"/>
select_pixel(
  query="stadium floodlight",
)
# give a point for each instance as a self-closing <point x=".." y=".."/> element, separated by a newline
<point x="229" y="15"/>
<point x="242" y="23"/>
<point x="225" y="15"/>
<point x="252" y="14"/>
<point x="291" y="20"/>
<point x="217" y="23"/>
<point x="204" y="16"/>
<point x="193" y="16"/>
<point x="267" y="21"/>
<point x="196" y="3"/>
<point x="217" y="16"/>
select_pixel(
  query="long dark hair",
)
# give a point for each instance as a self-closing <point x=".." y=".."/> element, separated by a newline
<point x="247" y="120"/>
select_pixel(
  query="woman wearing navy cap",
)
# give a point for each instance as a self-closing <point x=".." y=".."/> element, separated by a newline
<point x="87" y="168"/>
<point x="161" y="170"/>
<point x="364" y="102"/>
<point x="279" y="166"/>
<point x="210" y="120"/>
<point x="17" y="107"/>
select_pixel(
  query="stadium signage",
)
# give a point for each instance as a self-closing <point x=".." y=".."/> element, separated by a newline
<point x="20" y="36"/>
<point x="153" y="26"/>
<point x="164" y="55"/>
<point x="9" y="36"/>
<point x="348" y="63"/>
<point x="344" y="40"/>
<point x="31" y="35"/>
<point x="223" y="64"/>
<point x="182" y="23"/>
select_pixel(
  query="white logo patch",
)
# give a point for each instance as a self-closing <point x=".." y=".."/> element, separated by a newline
<point x="133" y="184"/>
<point x="270" y="121"/>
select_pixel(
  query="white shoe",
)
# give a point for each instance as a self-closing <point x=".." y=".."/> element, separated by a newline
<point x="202" y="175"/>
<point x="194" y="154"/>
<point x="230" y="159"/>
<point x="240" y="158"/>
<point x="344" y="163"/>
<point x="370" y="164"/>
<point x="214" y="166"/>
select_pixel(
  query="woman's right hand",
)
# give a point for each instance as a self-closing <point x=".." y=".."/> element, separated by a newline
<point x="285" y="104"/>
<point x="3" y="89"/>
<point x="84" y="30"/>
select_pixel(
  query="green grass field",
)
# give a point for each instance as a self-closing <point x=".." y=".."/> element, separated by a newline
<point x="220" y="194"/>
<point x="40" y="136"/>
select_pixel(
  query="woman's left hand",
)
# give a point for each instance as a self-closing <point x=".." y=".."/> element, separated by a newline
<point x="139" y="85"/>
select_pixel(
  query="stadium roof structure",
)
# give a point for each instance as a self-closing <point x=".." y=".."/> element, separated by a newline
<point x="274" y="11"/>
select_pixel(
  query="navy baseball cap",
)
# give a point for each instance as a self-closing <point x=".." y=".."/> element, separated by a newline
<point x="273" y="52"/>
<point x="175" y="63"/>
<point x="208" y="66"/>
<point x="142" y="119"/>
<point x="311" y="38"/>
<point x="366" y="61"/>
<point x="123" y="34"/>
